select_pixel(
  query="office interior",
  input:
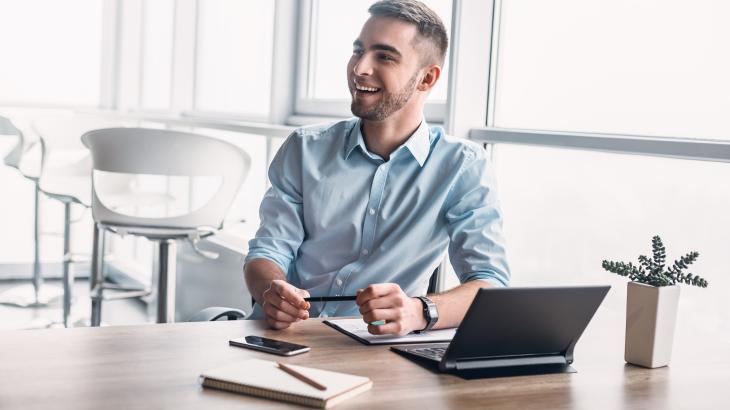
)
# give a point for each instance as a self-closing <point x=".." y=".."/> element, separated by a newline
<point x="606" y="123"/>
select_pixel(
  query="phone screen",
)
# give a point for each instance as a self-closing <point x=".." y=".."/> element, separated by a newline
<point x="269" y="345"/>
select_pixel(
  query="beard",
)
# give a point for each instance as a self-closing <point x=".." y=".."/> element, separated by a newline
<point x="390" y="103"/>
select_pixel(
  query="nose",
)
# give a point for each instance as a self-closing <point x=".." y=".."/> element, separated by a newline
<point x="362" y="65"/>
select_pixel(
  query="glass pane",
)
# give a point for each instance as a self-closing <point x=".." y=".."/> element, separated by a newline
<point x="567" y="210"/>
<point x="336" y="24"/>
<point x="647" y="68"/>
<point x="51" y="51"/>
<point x="235" y="40"/>
<point x="157" y="57"/>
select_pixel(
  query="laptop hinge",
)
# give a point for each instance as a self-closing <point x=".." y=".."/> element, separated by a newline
<point x="511" y="362"/>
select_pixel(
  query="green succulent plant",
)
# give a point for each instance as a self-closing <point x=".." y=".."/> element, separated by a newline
<point x="652" y="271"/>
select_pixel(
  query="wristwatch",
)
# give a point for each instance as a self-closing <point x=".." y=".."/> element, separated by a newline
<point x="430" y="313"/>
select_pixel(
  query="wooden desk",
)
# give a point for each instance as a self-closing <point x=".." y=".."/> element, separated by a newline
<point x="157" y="366"/>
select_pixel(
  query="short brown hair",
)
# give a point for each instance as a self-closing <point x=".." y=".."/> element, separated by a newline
<point x="429" y="24"/>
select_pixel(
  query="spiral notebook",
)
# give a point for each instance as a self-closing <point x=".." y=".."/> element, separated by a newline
<point x="265" y="379"/>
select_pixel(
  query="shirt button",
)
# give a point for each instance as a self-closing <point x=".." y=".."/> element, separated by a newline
<point x="338" y="282"/>
<point x="371" y="211"/>
<point x="364" y="252"/>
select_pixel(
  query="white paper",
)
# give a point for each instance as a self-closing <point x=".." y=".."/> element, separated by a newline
<point x="359" y="328"/>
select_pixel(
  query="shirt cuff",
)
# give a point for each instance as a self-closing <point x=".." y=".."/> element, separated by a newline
<point x="485" y="277"/>
<point x="282" y="261"/>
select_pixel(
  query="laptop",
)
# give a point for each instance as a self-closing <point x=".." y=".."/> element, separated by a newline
<point x="513" y="331"/>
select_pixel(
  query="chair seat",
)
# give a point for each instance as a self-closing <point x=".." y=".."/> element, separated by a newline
<point x="67" y="189"/>
<point x="78" y="190"/>
<point x="156" y="233"/>
<point x="66" y="176"/>
<point x="30" y="166"/>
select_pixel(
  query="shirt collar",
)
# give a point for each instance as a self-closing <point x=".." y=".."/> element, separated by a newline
<point x="418" y="144"/>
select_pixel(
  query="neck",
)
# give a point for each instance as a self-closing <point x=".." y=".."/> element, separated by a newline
<point x="383" y="137"/>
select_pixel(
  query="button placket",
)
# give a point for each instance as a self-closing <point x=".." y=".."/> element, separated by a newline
<point x="376" y="195"/>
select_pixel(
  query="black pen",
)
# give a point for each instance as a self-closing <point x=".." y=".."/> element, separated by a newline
<point x="329" y="298"/>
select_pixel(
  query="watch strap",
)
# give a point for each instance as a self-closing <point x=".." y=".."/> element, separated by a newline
<point x="430" y="313"/>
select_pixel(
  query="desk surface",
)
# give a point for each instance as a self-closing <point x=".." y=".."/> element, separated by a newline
<point x="157" y="366"/>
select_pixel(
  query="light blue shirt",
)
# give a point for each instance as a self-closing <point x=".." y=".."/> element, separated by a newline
<point x="338" y="218"/>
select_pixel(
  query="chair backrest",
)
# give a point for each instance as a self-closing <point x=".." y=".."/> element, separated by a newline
<point x="64" y="132"/>
<point x="62" y="152"/>
<point x="144" y="151"/>
<point x="12" y="159"/>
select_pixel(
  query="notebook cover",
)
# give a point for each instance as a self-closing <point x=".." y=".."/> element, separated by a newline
<point x="263" y="378"/>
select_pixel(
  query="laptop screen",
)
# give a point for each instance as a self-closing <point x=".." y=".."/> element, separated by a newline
<point x="525" y="321"/>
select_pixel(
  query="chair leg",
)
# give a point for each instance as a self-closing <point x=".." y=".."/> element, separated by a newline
<point x="166" y="282"/>
<point x="35" y="294"/>
<point x="68" y="276"/>
<point x="37" y="277"/>
<point x="96" y="276"/>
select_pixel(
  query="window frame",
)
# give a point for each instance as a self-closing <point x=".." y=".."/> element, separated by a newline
<point x="487" y="133"/>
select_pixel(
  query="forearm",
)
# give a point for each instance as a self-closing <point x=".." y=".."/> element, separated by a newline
<point x="453" y="304"/>
<point x="259" y="273"/>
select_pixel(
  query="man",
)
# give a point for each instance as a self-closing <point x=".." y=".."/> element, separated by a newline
<point x="368" y="206"/>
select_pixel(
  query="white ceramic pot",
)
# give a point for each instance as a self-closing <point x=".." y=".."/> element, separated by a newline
<point x="651" y="315"/>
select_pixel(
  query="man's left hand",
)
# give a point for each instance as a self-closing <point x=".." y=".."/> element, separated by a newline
<point x="387" y="301"/>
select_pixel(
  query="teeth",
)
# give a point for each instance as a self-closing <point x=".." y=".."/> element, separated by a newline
<point x="363" y="88"/>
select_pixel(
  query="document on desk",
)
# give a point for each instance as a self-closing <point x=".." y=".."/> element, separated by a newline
<point x="358" y="330"/>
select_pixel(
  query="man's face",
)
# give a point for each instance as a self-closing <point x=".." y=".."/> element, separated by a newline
<point x="384" y="69"/>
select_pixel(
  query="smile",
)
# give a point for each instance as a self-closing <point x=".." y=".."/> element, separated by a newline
<point x="359" y="87"/>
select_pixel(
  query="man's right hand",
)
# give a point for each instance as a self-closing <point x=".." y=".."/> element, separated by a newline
<point x="284" y="304"/>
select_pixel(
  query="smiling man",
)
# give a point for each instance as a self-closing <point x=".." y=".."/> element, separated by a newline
<point x="368" y="206"/>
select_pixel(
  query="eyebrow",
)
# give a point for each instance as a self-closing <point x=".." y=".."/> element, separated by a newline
<point x="379" y="46"/>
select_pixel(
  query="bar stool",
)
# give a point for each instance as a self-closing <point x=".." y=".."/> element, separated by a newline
<point x="66" y="177"/>
<point x="26" y="159"/>
<point x="141" y="151"/>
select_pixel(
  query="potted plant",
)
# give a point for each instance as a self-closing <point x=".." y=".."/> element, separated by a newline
<point x="651" y="303"/>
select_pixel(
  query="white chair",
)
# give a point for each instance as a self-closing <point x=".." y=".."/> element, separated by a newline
<point x="66" y="177"/>
<point x="140" y="151"/>
<point x="22" y="157"/>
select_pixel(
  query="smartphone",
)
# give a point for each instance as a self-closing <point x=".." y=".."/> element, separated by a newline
<point x="269" y="345"/>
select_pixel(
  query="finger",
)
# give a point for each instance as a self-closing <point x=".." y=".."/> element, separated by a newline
<point x="375" y="291"/>
<point x="272" y="298"/>
<point x="277" y="325"/>
<point x="377" y="303"/>
<point x="387" y="329"/>
<point x="381" y="314"/>
<point x="279" y="315"/>
<point x="274" y="301"/>
<point x="289" y="292"/>
<point x="304" y="294"/>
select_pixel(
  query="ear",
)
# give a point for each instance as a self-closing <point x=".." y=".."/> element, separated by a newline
<point x="430" y="77"/>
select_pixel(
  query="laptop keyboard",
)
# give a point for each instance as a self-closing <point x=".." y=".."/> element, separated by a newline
<point x="435" y="353"/>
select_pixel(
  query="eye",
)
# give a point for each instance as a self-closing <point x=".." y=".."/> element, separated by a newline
<point x="385" y="57"/>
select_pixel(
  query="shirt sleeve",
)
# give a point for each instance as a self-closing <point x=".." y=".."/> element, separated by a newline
<point x="474" y="223"/>
<point x="282" y="229"/>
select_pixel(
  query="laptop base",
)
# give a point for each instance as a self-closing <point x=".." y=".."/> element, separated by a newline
<point x="513" y="371"/>
<point x="471" y="374"/>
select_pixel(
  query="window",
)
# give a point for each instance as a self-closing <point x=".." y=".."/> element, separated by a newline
<point x="623" y="67"/>
<point x="331" y="28"/>
<point x="51" y="52"/>
<point x="234" y="55"/>
<point x="157" y="54"/>
<point x="649" y="68"/>
<point x="567" y="210"/>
